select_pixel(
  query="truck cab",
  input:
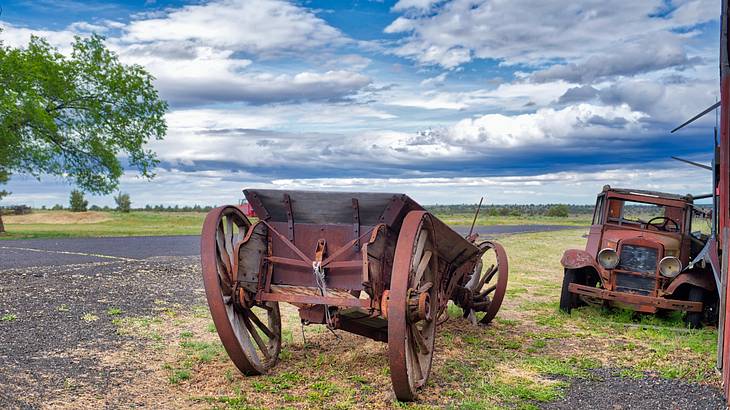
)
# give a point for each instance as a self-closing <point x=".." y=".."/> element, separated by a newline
<point x="638" y="256"/>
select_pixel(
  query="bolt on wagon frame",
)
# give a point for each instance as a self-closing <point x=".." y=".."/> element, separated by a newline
<point x="372" y="264"/>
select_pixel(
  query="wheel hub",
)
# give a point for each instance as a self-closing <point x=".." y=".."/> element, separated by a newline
<point x="419" y="306"/>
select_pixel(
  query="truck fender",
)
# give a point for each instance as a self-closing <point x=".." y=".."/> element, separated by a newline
<point x="695" y="278"/>
<point x="578" y="258"/>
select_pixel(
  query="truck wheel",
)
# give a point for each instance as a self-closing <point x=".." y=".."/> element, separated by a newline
<point x="568" y="300"/>
<point x="694" y="319"/>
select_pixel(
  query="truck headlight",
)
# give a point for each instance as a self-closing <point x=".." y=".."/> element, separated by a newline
<point x="670" y="266"/>
<point x="608" y="258"/>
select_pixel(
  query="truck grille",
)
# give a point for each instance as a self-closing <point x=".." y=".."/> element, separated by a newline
<point x="634" y="283"/>
<point x="638" y="259"/>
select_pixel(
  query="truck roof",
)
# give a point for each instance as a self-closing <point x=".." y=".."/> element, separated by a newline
<point x="647" y="193"/>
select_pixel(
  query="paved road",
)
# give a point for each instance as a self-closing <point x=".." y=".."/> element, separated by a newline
<point x="70" y="251"/>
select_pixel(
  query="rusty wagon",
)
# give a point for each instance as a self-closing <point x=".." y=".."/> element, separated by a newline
<point x="373" y="264"/>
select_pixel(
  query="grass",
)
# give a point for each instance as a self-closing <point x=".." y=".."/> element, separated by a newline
<point x="525" y="358"/>
<point x="63" y="224"/>
<point x="8" y="317"/>
<point x="114" y="311"/>
<point x="486" y="220"/>
<point x="66" y="224"/>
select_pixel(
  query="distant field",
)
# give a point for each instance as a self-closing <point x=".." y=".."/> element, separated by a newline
<point x="486" y="220"/>
<point x="60" y="224"/>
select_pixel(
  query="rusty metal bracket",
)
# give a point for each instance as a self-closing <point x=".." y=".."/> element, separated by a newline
<point x="259" y="207"/>
<point x="356" y="223"/>
<point x="634" y="299"/>
<point x="393" y="210"/>
<point x="289" y="216"/>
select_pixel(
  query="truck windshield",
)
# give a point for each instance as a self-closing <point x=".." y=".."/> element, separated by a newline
<point x="638" y="214"/>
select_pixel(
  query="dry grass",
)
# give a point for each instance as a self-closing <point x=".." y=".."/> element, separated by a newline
<point x="58" y="218"/>
<point x="519" y="361"/>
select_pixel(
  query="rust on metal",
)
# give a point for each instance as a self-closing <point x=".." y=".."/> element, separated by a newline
<point x="639" y="247"/>
<point x="634" y="299"/>
<point x="373" y="264"/>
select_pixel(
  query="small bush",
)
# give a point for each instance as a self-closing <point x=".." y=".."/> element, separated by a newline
<point x="77" y="201"/>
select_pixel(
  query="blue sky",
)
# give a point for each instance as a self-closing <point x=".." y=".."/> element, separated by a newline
<point x="522" y="102"/>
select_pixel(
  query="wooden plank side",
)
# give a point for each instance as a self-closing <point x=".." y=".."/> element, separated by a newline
<point x="322" y="207"/>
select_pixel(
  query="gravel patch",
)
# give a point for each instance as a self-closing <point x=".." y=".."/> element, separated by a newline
<point x="55" y="321"/>
<point x="607" y="389"/>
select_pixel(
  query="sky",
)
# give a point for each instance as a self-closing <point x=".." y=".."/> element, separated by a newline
<point x="515" y="100"/>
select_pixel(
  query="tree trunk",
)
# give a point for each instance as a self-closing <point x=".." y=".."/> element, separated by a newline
<point x="2" y="227"/>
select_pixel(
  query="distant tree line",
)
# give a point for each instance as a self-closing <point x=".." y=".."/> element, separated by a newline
<point x="556" y="210"/>
<point x="125" y="206"/>
<point x="124" y="203"/>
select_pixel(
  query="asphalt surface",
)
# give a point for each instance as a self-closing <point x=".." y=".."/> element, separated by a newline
<point x="69" y="251"/>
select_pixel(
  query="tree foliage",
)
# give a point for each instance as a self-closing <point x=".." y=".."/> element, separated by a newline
<point x="75" y="116"/>
<point x="77" y="203"/>
<point x="559" y="210"/>
<point x="124" y="204"/>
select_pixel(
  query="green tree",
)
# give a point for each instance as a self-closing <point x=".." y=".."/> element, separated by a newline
<point x="560" y="210"/>
<point x="124" y="204"/>
<point x="74" y="116"/>
<point x="77" y="203"/>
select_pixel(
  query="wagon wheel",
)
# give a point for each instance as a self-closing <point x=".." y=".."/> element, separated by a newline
<point x="250" y="332"/>
<point x="412" y="305"/>
<point x="488" y="285"/>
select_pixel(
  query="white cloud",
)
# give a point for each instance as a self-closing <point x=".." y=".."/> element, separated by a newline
<point x="516" y="96"/>
<point x="462" y="30"/>
<point x="657" y="52"/>
<point x="547" y="126"/>
<point x="15" y="36"/>
<point x="435" y="81"/>
<point x="251" y="26"/>
<point x="565" y="187"/>
<point x="414" y="5"/>
<point x="175" y="186"/>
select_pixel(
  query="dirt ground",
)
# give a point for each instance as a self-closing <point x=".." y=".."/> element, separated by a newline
<point x="130" y="334"/>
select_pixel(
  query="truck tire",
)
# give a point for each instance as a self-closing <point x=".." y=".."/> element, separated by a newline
<point x="693" y="320"/>
<point x="568" y="300"/>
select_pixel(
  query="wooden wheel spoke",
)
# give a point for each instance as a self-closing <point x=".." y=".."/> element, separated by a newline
<point x="426" y="286"/>
<point x="420" y="245"/>
<point x="417" y="370"/>
<point x="227" y="239"/>
<point x="261" y="325"/>
<point x="255" y="334"/>
<point x="487" y="291"/>
<point x="418" y="338"/>
<point x="225" y="279"/>
<point x="222" y="251"/>
<point x="487" y="276"/>
<point x="229" y="231"/>
<point x="422" y="265"/>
